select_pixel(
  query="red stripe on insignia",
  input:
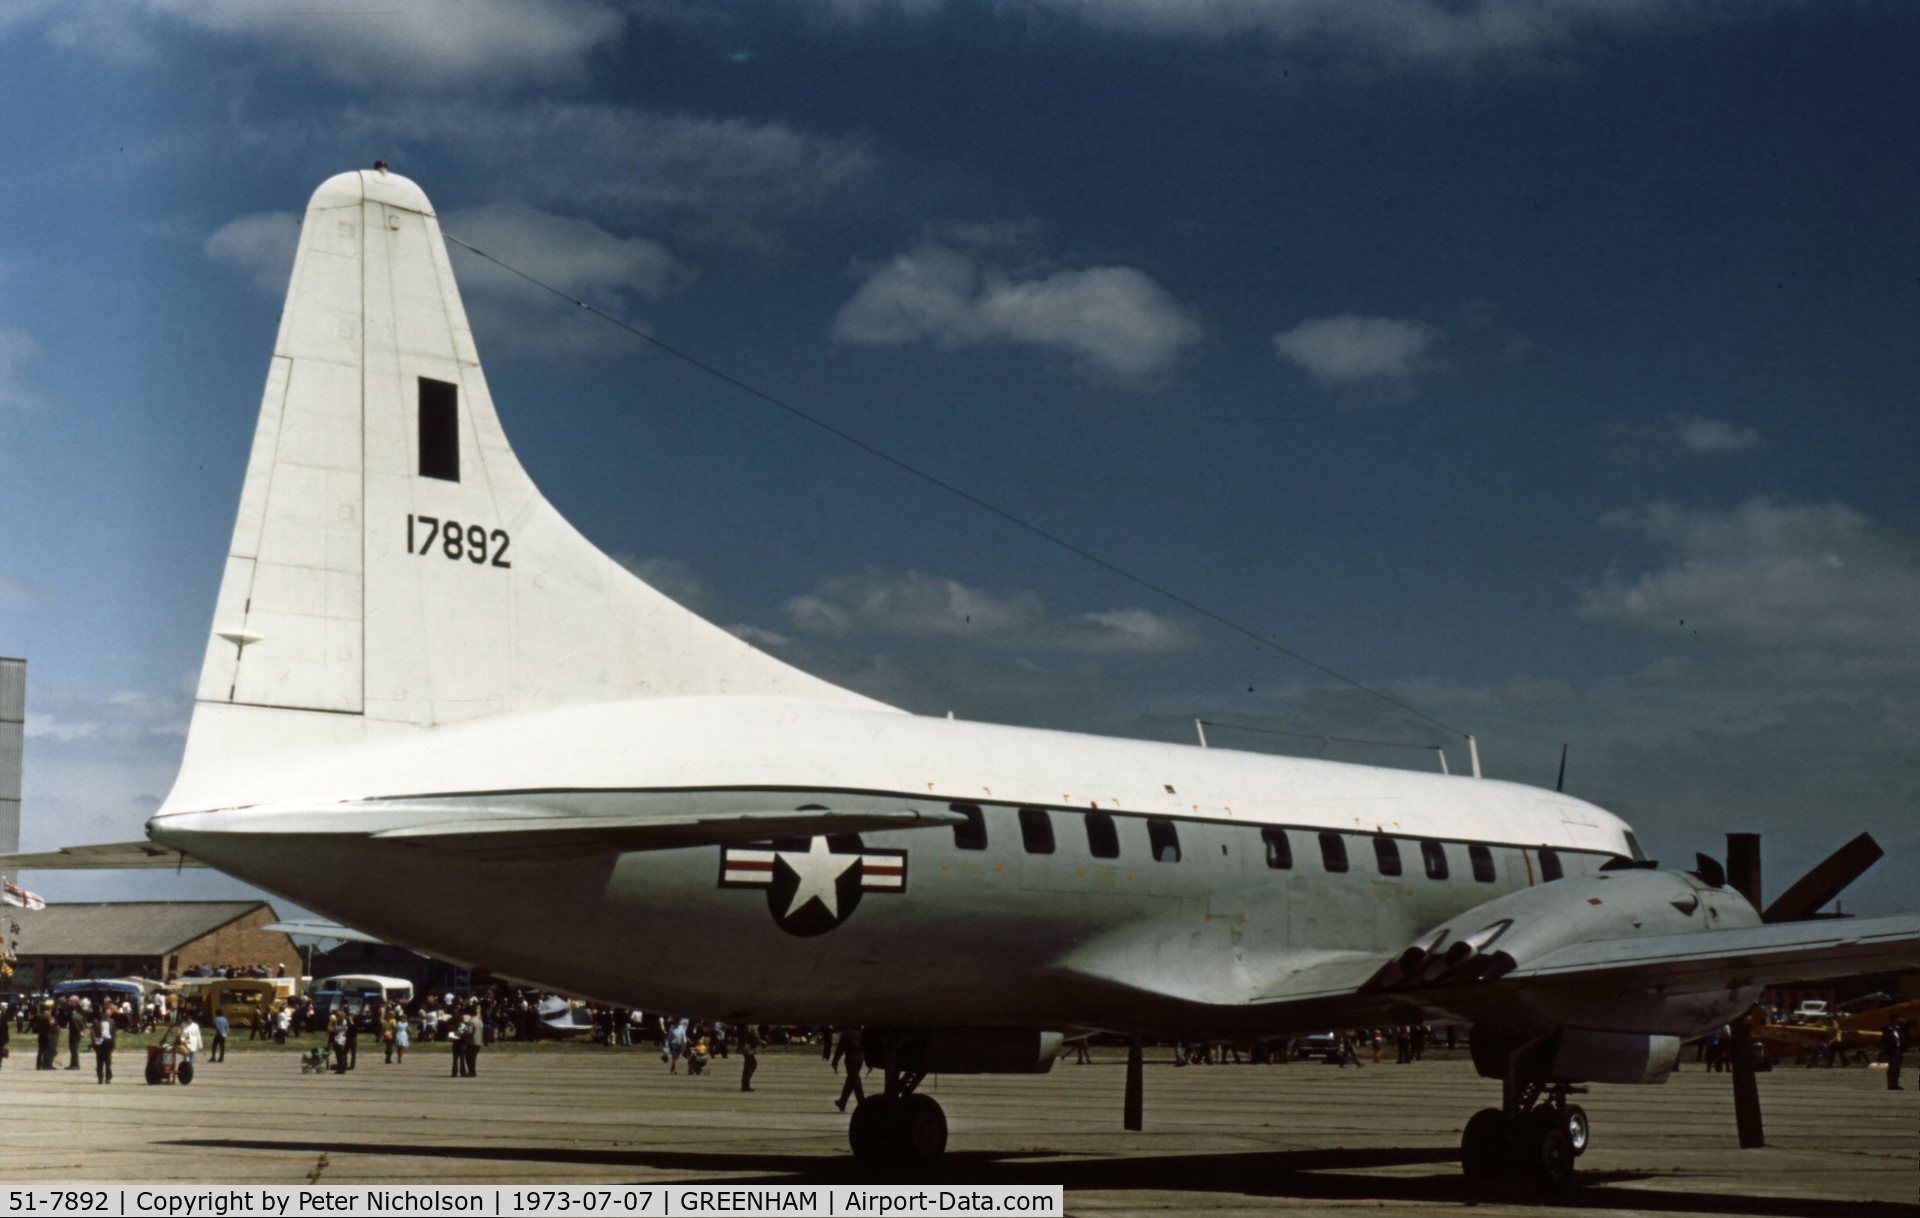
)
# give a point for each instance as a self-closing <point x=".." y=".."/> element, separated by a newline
<point x="749" y="865"/>
<point x="883" y="869"/>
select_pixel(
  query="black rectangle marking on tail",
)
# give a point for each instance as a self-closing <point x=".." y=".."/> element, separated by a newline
<point x="439" y="430"/>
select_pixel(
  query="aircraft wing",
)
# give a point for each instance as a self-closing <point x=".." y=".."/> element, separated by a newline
<point x="556" y="837"/>
<point x="1148" y="976"/>
<point x="116" y="855"/>
<point x="1712" y="959"/>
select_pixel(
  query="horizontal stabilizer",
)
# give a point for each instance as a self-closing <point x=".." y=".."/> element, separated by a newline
<point x="316" y="929"/>
<point x="555" y="837"/>
<point x="1750" y="955"/>
<point x="107" y="856"/>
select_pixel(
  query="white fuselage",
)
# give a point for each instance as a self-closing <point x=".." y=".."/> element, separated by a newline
<point x="987" y="935"/>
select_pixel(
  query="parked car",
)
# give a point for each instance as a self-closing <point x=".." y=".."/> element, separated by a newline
<point x="1323" y="1045"/>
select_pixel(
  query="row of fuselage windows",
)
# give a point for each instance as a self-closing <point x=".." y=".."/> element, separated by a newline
<point x="1163" y="839"/>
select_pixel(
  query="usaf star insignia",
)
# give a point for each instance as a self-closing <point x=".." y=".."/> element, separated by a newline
<point x="813" y="884"/>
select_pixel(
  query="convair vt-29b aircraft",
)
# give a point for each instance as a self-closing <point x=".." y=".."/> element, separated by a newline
<point x="424" y="693"/>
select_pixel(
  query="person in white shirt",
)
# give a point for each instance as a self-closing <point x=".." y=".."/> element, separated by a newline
<point x="103" y="1045"/>
<point x="189" y="1036"/>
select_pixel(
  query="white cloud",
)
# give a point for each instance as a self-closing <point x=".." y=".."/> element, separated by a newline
<point x="673" y="578"/>
<point x="580" y="258"/>
<point x="1712" y="436"/>
<point x="914" y="605"/>
<point x="261" y="246"/>
<point x="1113" y="318"/>
<point x="18" y="591"/>
<point x="16" y="350"/>
<point x="1382" y="355"/>
<point x="423" y="44"/>
<point x="508" y="313"/>
<point x="1769" y="573"/>
<point x="575" y="255"/>
<point x="1430" y="35"/>
<point x="592" y="155"/>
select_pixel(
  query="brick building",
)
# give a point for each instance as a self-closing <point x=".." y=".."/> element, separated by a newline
<point x="159" y="939"/>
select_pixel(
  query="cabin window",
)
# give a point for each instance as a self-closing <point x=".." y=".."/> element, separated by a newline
<point x="1434" y="855"/>
<point x="1550" y="868"/>
<point x="439" y="430"/>
<point x="1482" y="863"/>
<point x="970" y="834"/>
<point x="1164" y="839"/>
<point x="1279" y="849"/>
<point x="1036" y="830"/>
<point x="1103" y="841"/>
<point x="1386" y="853"/>
<point x="1333" y="851"/>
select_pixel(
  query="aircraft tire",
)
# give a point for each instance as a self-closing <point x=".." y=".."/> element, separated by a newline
<point x="1543" y="1154"/>
<point x="1483" y="1145"/>
<point x="873" y="1130"/>
<point x="922" y="1128"/>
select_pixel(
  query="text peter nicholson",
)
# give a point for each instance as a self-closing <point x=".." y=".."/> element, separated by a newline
<point x="378" y="1201"/>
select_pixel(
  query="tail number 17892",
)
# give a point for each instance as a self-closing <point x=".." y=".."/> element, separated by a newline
<point x="452" y="540"/>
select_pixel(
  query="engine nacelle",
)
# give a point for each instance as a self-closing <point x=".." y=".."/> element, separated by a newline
<point x="965" y="1050"/>
<point x="1580" y="1055"/>
<point x="1517" y="929"/>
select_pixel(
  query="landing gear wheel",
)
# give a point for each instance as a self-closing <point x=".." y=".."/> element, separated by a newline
<point x="1483" y="1145"/>
<point x="922" y="1129"/>
<point x="1543" y="1153"/>
<point x="872" y="1131"/>
<point x="1579" y="1132"/>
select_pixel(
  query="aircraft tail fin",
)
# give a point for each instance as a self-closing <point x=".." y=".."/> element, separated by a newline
<point x="393" y="568"/>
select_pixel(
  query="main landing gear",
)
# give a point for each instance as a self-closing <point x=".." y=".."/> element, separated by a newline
<point x="1534" y="1138"/>
<point x="900" y="1125"/>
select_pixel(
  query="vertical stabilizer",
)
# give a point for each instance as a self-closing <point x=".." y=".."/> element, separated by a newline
<point x="392" y="567"/>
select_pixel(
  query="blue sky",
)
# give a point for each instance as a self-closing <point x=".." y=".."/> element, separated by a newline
<point x="1548" y="366"/>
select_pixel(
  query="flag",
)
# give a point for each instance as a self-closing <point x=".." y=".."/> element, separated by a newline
<point x="13" y="894"/>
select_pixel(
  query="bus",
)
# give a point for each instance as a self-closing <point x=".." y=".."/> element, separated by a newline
<point x="127" y="992"/>
<point x="390" y="989"/>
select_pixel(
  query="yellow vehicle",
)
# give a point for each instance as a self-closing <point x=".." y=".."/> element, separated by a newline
<point x="240" y="999"/>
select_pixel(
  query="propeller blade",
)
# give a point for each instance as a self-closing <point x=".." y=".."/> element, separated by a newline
<point x="1711" y="873"/>
<point x="1825" y="881"/>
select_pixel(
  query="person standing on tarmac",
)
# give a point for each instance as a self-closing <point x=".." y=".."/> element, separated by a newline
<point x="103" y="1046"/>
<point x="1895" y="1039"/>
<point x="336" y="1034"/>
<point x="476" y="1037"/>
<point x="46" y="1031"/>
<point x="852" y="1049"/>
<point x="217" y="1052"/>
<point x="749" y="1055"/>
<point x="76" y="1028"/>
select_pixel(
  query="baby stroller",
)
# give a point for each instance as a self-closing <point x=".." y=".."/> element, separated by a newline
<point x="314" y="1060"/>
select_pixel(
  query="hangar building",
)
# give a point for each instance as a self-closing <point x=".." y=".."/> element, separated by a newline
<point x="158" y="939"/>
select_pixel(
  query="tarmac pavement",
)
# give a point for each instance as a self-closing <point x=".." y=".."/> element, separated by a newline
<point x="1303" y="1138"/>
